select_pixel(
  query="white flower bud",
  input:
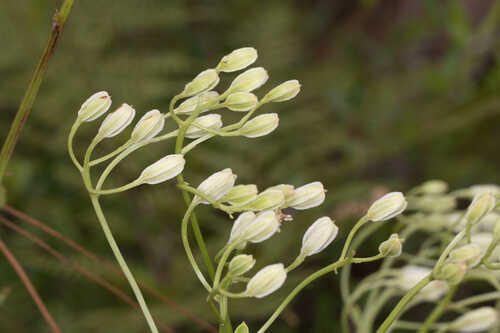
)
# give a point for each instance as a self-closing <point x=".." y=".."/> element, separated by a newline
<point x="241" y="264"/>
<point x="164" y="169"/>
<point x="204" y="101"/>
<point x="148" y="126"/>
<point x="210" y="121"/>
<point x="391" y="247"/>
<point x="474" y="190"/>
<point x="241" y="194"/>
<point x="241" y="101"/>
<point x="264" y="225"/>
<point x="269" y="199"/>
<point x="288" y="190"/>
<point x="239" y="227"/>
<point x="217" y="185"/>
<point x="433" y="203"/>
<point x="477" y="320"/>
<point x="249" y="80"/>
<point x="95" y="106"/>
<point x="385" y="208"/>
<point x="435" y="186"/>
<point x="469" y="254"/>
<point x="453" y="273"/>
<point x="260" y="125"/>
<point x="238" y="59"/>
<point x="318" y="236"/>
<point x="307" y="196"/>
<point x="116" y="121"/>
<point x="266" y="281"/>
<point x="284" y="92"/>
<point x="242" y="328"/>
<point x="481" y="205"/>
<point x="206" y="80"/>
<point x="410" y="275"/>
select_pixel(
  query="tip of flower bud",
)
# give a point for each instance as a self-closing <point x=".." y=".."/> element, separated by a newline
<point x="284" y="92"/>
<point x="249" y="80"/>
<point x="116" y="121"/>
<point x="260" y="125"/>
<point x="387" y="207"/>
<point x="241" y="101"/>
<point x="148" y="126"/>
<point x="391" y="247"/>
<point x="206" y="80"/>
<point x="266" y="281"/>
<point x="164" y="169"/>
<point x="307" y="196"/>
<point x="318" y="236"/>
<point x="210" y="121"/>
<point x="238" y="59"/>
<point x="217" y="185"/>
<point x="95" y="106"/>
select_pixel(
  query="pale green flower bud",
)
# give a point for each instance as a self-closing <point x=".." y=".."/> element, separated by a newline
<point x="307" y="196"/>
<point x="148" y="126"/>
<point x="453" y="273"/>
<point x="206" y="80"/>
<point x="410" y="275"/>
<point x="260" y="125"/>
<point x="318" y="236"/>
<point x="242" y="328"/>
<point x="238" y="59"/>
<point x="241" y="264"/>
<point x="284" y="92"/>
<point x="385" y="208"/>
<point x="241" y="194"/>
<point x="210" y="121"/>
<point x="477" y="320"/>
<point x="265" y="225"/>
<point x="288" y="190"/>
<point x="239" y="227"/>
<point x="162" y="170"/>
<point x="95" y="106"/>
<point x="469" y="254"/>
<point x="249" y="80"/>
<point x="435" y="186"/>
<point x="116" y="121"/>
<point x="266" y="281"/>
<point x="391" y="247"/>
<point x="203" y="101"/>
<point x="217" y="185"/>
<point x="269" y="199"/>
<point x="475" y="190"/>
<point x="241" y="101"/>
<point x="481" y="205"/>
<point x="433" y="203"/>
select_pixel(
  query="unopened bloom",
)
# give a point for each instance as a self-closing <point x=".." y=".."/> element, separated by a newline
<point x="266" y="281"/>
<point x="260" y="125"/>
<point x="148" y="126"/>
<point x="262" y="227"/>
<point x="241" y="101"/>
<point x="481" y="205"/>
<point x="203" y="101"/>
<point x="238" y="59"/>
<point x="210" y="121"/>
<point x="239" y="227"/>
<point x="385" y="208"/>
<point x="95" y="106"/>
<point x="434" y="186"/>
<point x="206" y="80"/>
<point x="241" y="194"/>
<point x="318" y="236"/>
<point x="249" y="80"/>
<point x="469" y="254"/>
<point x="391" y="247"/>
<point x="269" y="199"/>
<point x="410" y="275"/>
<point x="476" y="320"/>
<point x="241" y="264"/>
<point x="433" y="203"/>
<point x="242" y="328"/>
<point x="162" y="170"/>
<point x="284" y="92"/>
<point x="288" y="190"/>
<point x="452" y="272"/>
<point x="217" y="185"/>
<point x="116" y="121"/>
<point x="307" y="196"/>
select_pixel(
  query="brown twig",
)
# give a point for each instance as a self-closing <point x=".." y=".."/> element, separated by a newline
<point x="29" y="286"/>
<point x="77" y="247"/>
<point x="103" y="283"/>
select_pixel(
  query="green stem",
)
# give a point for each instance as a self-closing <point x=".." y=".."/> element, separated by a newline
<point x="223" y="314"/>
<point x="353" y="231"/>
<point x="448" y="249"/>
<point x="438" y="310"/>
<point x="495" y="295"/>
<point x="122" y="263"/>
<point x="222" y="262"/>
<point x="72" y="133"/>
<point x="110" y="155"/>
<point x="296" y="263"/>
<point x="403" y="302"/>
<point x="22" y="114"/>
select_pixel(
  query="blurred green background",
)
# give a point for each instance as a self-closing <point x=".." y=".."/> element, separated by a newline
<point x="394" y="92"/>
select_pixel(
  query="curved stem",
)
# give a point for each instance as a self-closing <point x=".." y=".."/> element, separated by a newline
<point x="72" y="133"/>
<point x="448" y="249"/>
<point x="353" y="231"/>
<point x="438" y="310"/>
<point x="123" y="188"/>
<point x="122" y="263"/>
<point x="110" y="155"/>
<point x="296" y="263"/>
<point x="222" y="262"/>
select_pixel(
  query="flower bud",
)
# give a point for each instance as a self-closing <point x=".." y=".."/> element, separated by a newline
<point x="269" y="199"/>
<point x="288" y="190"/>
<point x="241" y="101"/>
<point x="95" y="106"/>
<point x="264" y="225"/>
<point x="318" y="236"/>
<point x="391" y="247"/>
<point x="469" y="254"/>
<point x="249" y="80"/>
<point x="410" y="275"/>
<point x="242" y="328"/>
<point x="385" y="208"/>
<point x="453" y="273"/>
<point x="238" y="59"/>
<point x="239" y="227"/>
<point x="241" y="194"/>
<point x="148" y="126"/>
<point x="433" y="203"/>
<point x="217" y="185"/>
<point x="206" y="80"/>
<point x="260" y="125"/>
<point x="481" y="205"/>
<point x="203" y="101"/>
<point x="266" y="281"/>
<point x="435" y="186"/>
<point x="210" y="121"/>
<point x="307" y="196"/>
<point x="164" y="169"/>
<point x="284" y="92"/>
<point x="116" y="121"/>
<point x="241" y="264"/>
<point x="477" y="320"/>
